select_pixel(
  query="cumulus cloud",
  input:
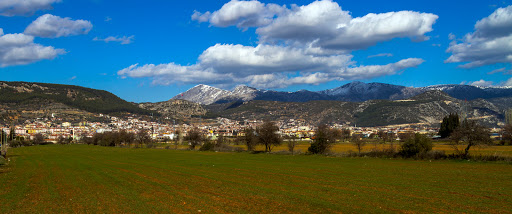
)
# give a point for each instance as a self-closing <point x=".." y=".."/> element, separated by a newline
<point x="490" y="43"/>
<point x="20" y="49"/>
<point x="482" y="83"/>
<point x="50" y="26"/>
<point x="308" y="44"/>
<point x="243" y="14"/>
<point x="321" y="23"/>
<point x="123" y="40"/>
<point x="201" y="17"/>
<point x="24" y="7"/>
<point x="267" y="66"/>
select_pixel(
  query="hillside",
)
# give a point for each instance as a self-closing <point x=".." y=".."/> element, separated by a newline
<point x="178" y="109"/>
<point x="40" y="99"/>
<point x="351" y="92"/>
<point x="427" y="108"/>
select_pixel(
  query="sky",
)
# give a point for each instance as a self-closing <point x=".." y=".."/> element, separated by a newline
<point x="152" y="50"/>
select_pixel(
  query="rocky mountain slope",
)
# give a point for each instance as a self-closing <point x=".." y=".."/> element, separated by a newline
<point x="205" y="94"/>
<point x="353" y="92"/>
<point x="173" y="108"/>
<point x="428" y="108"/>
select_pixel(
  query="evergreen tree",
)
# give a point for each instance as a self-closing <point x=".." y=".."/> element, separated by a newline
<point x="449" y="124"/>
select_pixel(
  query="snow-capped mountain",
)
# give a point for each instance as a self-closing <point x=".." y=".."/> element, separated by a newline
<point x="205" y="94"/>
<point x="470" y="92"/>
<point x="359" y="91"/>
<point x="354" y="92"/>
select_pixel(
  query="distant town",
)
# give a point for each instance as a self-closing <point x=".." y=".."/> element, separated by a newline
<point x="54" y="127"/>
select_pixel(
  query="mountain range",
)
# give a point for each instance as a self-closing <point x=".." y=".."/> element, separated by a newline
<point x="362" y="104"/>
<point x="351" y="92"/>
<point x="427" y="109"/>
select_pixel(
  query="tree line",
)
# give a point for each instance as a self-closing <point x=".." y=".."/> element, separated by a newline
<point x="462" y="135"/>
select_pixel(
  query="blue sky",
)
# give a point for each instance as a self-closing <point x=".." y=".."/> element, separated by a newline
<point x="146" y="51"/>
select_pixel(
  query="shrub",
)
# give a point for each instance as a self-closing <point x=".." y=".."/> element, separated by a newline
<point x="325" y="137"/>
<point x="420" y="144"/>
<point x="207" y="146"/>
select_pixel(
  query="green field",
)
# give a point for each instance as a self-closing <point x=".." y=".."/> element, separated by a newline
<point x="93" y="179"/>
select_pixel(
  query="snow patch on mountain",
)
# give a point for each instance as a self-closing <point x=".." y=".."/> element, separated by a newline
<point x="206" y="95"/>
<point x="354" y="92"/>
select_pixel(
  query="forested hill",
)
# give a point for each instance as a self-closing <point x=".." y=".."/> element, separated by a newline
<point x="86" y="99"/>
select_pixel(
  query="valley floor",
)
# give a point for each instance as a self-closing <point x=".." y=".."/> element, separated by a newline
<point x="93" y="179"/>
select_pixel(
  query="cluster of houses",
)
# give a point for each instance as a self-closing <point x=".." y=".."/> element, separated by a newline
<point x="53" y="129"/>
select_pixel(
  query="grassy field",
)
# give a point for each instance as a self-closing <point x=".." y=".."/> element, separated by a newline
<point x="346" y="147"/>
<point x="93" y="179"/>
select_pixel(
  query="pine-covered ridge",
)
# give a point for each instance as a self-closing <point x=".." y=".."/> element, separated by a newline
<point x="36" y="95"/>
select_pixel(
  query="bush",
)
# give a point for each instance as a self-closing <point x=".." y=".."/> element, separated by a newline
<point x="420" y="144"/>
<point x="384" y="153"/>
<point x="493" y="157"/>
<point x="325" y="137"/>
<point x="208" y="146"/>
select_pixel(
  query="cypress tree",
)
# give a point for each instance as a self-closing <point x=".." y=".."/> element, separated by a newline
<point x="449" y="124"/>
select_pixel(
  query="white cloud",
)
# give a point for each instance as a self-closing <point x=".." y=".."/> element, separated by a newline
<point x="50" y="26"/>
<point x="318" y="20"/>
<point x="242" y="14"/>
<point x="308" y="44"/>
<point x="501" y="70"/>
<point x="201" y="17"/>
<point x="20" y="49"/>
<point x="24" y="7"/>
<point x="265" y="66"/>
<point x="482" y="83"/>
<point x="264" y="59"/>
<point x="322" y="23"/>
<point x="381" y="55"/>
<point x="123" y="40"/>
<point x="490" y="43"/>
<point x="508" y="82"/>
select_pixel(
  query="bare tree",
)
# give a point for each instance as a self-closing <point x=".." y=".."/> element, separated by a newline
<point x="61" y="140"/>
<point x="194" y="138"/>
<point x="268" y="136"/>
<point x="506" y="134"/>
<point x="250" y="139"/>
<point x="178" y="139"/>
<point x="221" y="140"/>
<point x="471" y="134"/>
<point x="345" y="134"/>
<point x="325" y="137"/>
<point x="292" y="142"/>
<point x="38" y="139"/>
<point x="358" y="142"/>
<point x="142" y="137"/>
